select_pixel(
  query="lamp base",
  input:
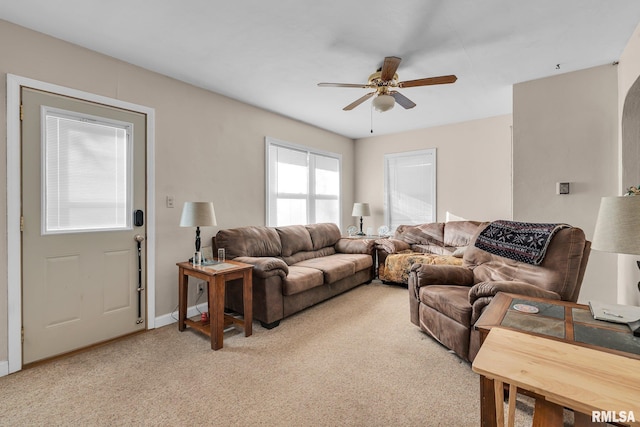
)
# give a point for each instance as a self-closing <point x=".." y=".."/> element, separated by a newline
<point x="635" y="328"/>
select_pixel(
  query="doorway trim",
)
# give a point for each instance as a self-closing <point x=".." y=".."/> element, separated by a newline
<point x="14" y="243"/>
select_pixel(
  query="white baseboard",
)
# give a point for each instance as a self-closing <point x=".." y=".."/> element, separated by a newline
<point x="172" y="317"/>
<point x="4" y="368"/>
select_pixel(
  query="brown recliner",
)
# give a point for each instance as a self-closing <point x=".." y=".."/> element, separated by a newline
<point x="445" y="301"/>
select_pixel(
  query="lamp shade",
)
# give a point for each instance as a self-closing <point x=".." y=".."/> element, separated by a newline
<point x="383" y="103"/>
<point x="198" y="214"/>
<point x="361" y="209"/>
<point x="618" y="225"/>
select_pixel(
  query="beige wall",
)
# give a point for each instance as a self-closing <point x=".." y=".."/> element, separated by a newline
<point x="473" y="168"/>
<point x="565" y="130"/>
<point x="208" y="147"/>
<point x="629" y="143"/>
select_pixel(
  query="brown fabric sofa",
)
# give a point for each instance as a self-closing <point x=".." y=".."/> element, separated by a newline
<point x="445" y="301"/>
<point x="430" y="243"/>
<point x="295" y="266"/>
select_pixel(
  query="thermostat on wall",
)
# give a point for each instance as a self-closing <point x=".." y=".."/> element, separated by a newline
<point x="562" y="188"/>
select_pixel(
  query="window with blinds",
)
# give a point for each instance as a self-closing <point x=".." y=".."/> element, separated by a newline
<point x="303" y="185"/>
<point x="410" y="188"/>
<point x="86" y="173"/>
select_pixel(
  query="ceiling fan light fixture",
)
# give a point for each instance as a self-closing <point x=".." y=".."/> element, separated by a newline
<point x="383" y="102"/>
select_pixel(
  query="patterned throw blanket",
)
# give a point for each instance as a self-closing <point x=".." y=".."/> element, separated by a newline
<point x="520" y="241"/>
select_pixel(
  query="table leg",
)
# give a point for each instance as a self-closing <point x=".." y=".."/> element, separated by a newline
<point x="216" y="310"/>
<point x="487" y="403"/>
<point x="498" y="392"/>
<point x="546" y="414"/>
<point x="513" y="394"/>
<point x="584" y="420"/>
<point x="247" y="296"/>
<point x="183" y="284"/>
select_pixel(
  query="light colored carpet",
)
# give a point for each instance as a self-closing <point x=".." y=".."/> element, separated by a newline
<point x="353" y="360"/>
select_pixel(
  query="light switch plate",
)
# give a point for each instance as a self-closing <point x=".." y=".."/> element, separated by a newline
<point x="169" y="201"/>
<point x="562" y="188"/>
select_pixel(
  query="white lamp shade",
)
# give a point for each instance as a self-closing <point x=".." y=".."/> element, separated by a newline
<point x="361" y="209"/>
<point x="198" y="214"/>
<point x="383" y="103"/>
<point x="618" y="225"/>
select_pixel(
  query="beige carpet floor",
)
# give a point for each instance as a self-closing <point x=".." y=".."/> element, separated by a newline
<point x="355" y="360"/>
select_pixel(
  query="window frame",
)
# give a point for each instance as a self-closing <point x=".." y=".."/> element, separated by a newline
<point x="387" y="190"/>
<point x="310" y="197"/>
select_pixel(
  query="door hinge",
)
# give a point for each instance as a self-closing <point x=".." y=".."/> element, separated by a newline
<point x="22" y="334"/>
<point x="21" y="112"/>
<point x="21" y="223"/>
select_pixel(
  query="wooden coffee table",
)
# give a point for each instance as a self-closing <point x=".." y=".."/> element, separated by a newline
<point x="216" y="276"/>
<point x="556" y="320"/>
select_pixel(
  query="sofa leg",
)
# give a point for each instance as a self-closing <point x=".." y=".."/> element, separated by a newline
<point x="270" y="325"/>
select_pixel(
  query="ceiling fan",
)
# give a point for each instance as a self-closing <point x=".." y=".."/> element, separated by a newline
<point x="384" y="81"/>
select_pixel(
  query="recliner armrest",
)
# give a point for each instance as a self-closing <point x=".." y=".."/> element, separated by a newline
<point x="490" y="289"/>
<point x="266" y="266"/>
<point x="391" y="246"/>
<point x="426" y="275"/>
<point x="481" y="294"/>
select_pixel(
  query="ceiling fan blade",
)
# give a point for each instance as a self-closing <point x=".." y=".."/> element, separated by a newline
<point x="358" y="101"/>
<point x="402" y="100"/>
<point x="441" y="80"/>
<point x="361" y="86"/>
<point x="389" y="67"/>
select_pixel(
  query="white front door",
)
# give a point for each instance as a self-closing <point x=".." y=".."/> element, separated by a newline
<point x="83" y="177"/>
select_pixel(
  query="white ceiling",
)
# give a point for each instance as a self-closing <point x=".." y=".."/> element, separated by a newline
<point x="272" y="54"/>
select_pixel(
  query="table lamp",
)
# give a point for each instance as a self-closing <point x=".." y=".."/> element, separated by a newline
<point x="618" y="227"/>
<point x="361" y="209"/>
<point x="198" y="214"/>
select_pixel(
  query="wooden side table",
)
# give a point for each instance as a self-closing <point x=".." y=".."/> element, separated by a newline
<point x="556" y="320"/>
<point x="560" y="375"/>
<point x="216" y="277"/>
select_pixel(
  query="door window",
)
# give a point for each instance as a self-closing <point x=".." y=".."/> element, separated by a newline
<point x="86" y="173"/>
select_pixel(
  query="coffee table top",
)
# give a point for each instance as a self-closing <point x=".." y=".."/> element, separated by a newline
<point x="559" y="320"/>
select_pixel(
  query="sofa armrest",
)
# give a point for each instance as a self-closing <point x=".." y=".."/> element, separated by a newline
<point x="264" y="267"/>
<point x="426" y="274"/>
<point x="355" y="246"/>
<point x="391" y="246"/>
<point x="481" y="294"/>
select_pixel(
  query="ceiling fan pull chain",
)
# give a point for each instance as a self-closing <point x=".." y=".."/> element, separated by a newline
<point x="371" y="111"/>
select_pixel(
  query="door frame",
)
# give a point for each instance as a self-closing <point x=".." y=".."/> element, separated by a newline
<point x="14" y="240"/>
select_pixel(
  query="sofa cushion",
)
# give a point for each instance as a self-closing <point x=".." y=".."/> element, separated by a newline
<point x="252" y="241"/>
<point x="294" y="238"/>
<point x="301" y="279"/>
<point x="433" y="249"/>
<point x="360" y="261"/>
<point x="450" y="300"/>
<point x="333" y="267"/>
<point x="459" y="233"/>
<point x="323" y="235"/>
<point x="301" y="256"/>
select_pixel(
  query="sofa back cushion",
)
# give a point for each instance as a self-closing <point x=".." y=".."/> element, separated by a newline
<point x="253" y="241"/>
<point x="294" y="238"/>
<point x="561" y="270"/>
<point x="459" y="233"/>
<point x="323" y="235"/>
